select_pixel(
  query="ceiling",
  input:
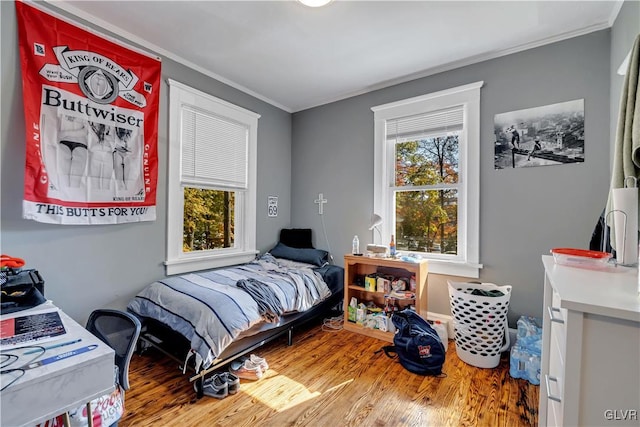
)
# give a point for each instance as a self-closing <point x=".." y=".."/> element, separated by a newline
<point x="296" y="57"/>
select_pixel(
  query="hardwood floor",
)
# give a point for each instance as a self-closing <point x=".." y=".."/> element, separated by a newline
<point x="333" y="379"/>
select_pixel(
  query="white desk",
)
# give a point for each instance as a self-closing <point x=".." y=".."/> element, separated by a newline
<point x="50" y="390"/>
<point x="590" y="374"/>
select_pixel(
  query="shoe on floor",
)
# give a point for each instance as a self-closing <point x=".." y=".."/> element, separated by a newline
<point x="233" y="382"/>
<point x="260" y="362"/>
<point x="215" y="386"/>
<point x="247" y="370"/>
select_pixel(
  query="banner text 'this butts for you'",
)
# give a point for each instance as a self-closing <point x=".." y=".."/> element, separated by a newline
<point x="49" y="209"/>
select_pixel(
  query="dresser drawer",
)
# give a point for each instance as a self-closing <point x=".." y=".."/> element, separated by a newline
<point x="554" y="413"/>
<point x="554" y="385"/>
<point x="558" y="318"/>
<point x="554" y="379"/>
<point x="556" y="371"/>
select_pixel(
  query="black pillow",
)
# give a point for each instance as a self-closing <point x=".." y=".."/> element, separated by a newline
<point x="296" y="237"/>
<point x="310" y="256"/>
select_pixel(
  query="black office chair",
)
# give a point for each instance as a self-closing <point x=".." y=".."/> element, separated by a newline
<point x="120" y="331"/>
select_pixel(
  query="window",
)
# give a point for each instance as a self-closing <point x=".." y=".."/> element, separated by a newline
<point x="427" y="176"/>
<point x="211" y="211"/>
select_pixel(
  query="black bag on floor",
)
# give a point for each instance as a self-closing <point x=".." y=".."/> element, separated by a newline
<point x="416" y="344"/>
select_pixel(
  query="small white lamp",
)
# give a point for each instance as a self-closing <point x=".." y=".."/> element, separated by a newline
<point x="378" y="250"/>
<point x="376" y="220"/>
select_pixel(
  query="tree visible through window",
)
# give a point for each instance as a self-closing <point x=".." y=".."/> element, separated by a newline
<point x="426" y="177"/>
<point x="212" y="181"/>
<point x="208" y="219"/>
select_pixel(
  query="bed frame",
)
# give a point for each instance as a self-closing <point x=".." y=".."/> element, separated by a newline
<point x="171" y="343"/>
<point x="159" y="336"/>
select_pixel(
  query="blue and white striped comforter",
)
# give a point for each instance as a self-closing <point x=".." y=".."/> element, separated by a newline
<point x="211" y="311"/>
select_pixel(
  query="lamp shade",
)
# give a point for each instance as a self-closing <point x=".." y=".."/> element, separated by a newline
<point x="376" y="220"/>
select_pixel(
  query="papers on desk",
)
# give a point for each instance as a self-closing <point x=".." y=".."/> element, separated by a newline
<point x="30" y="327"/>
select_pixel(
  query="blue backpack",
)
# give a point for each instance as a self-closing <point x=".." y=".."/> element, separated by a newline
<point x="416" y="344"/>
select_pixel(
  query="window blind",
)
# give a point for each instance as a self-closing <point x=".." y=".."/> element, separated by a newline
<point x="214" y="150"/>
<point x="424" y="125"/>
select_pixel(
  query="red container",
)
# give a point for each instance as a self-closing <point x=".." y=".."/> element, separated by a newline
<point x="582" y="258"/>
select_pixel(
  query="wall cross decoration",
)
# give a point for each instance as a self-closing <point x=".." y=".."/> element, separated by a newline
<point x="320" y="201"/>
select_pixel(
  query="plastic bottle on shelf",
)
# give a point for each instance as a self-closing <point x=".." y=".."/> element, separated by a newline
<point x="355" y="246"/>
<point x="392" y="248"/>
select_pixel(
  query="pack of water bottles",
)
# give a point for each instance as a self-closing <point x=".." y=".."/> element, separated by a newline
<point x="526" y="352"/>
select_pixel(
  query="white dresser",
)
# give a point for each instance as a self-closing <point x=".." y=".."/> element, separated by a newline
<point x="590" y="370"/>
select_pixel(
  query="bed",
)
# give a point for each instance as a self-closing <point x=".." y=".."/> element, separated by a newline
<point x="216" y="316"/>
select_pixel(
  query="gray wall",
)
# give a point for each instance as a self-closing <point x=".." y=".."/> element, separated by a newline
<point x="523" y="212"/>
<point x="87" y="267"/>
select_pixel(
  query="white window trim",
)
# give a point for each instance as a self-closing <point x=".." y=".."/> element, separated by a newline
<point x="244" y="249"/>
<point x="467" y="263"/>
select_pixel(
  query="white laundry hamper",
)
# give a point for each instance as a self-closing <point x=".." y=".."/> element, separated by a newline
<point x="481" y="328"/>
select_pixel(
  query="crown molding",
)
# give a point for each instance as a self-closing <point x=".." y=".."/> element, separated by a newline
<point x="127" y="36"/>
<point x="615" y="11"/>
<point x="464" y="62"/>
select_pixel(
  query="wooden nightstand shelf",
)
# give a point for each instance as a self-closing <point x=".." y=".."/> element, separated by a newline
<point x="358" y="266"/>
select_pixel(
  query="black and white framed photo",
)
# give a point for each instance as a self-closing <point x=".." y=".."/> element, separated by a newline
<point x="541" y="136"/>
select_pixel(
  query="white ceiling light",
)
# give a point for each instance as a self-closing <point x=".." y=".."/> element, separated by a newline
<point x="315" y="3"/>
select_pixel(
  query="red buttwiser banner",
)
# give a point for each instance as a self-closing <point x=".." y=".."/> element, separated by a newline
<point x="91" y="114"/>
